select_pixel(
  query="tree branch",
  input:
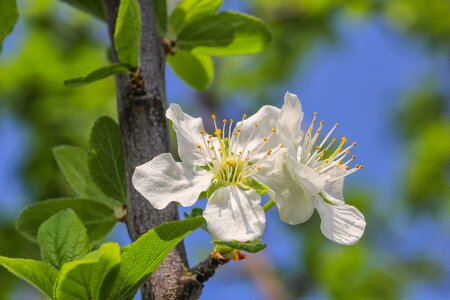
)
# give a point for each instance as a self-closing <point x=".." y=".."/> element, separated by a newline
<point x="145" y="135"/>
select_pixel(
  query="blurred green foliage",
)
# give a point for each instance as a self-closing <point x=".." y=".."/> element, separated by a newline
<point x="424" y="123"/>
<point x="56" y="42"/>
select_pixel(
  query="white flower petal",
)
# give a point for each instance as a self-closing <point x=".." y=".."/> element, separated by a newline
<point x="336" y="189"/>
<point x="187" y="130"/>
<point x="341" y="223"/>
<point x="163" y="180"/>
<point x="291" y="117"/>
<point x="234" y="214"/>
<point x="292" y="186"/>
<point x="251" y="137"/>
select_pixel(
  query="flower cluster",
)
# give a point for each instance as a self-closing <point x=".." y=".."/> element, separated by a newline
<point x="299" y="170"/>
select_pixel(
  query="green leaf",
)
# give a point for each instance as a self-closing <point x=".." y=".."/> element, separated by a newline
<point x="195" y="70"/>
<point x="141" y="258"/>
<point x="73" y="162"/>
<point x="62" y="238"/>
<point x="161" y="15"/>
<point x="98" y="74"/>
<point x="87" y="277"/>
<point x="251" y="247"/>
<point x="93" y="7"/>
<point x="39" y="274"/>
<point x="106" y="162"/>
<point x="96" y="217"/>
<point x="127" y="37"/>
<point x="188" y="11"/>
<point x="8" y="18"/>
<point x="228" y="33"/>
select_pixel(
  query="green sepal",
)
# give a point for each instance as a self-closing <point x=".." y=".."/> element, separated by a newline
<point x="251" y="247"/>
<point x="257" y="186"/>
<point x="215" y="185"/>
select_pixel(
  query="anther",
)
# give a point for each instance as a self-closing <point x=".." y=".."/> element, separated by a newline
<point x="199" y="146"/>
<point x="344" y="139"/>
<point x="213" y="116"/>
<point x="244" y="116"/>
<point x="224" y="121"/>
<point x="322" y="122"/>
<point x="202" y="132"/>
<point x="218" y="132"/>
<point x="266" y="139"/>
<point x="316" y="114"/>
<point x="274" y="130"/>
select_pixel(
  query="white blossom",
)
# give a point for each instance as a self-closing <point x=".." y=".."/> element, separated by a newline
<point x="311" y="175"/>
<point x="229" y="158"/>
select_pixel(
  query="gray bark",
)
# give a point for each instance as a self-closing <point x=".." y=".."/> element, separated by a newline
<point x="141" y="108"/>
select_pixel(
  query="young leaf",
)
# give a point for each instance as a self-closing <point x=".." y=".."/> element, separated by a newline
<point x="188" y="11"/>
<point x="127" y="37"/>
<point x="94" y="7"/>
<point x="8" y="18"/>
<point x="106" y="162"/>
<point x="96" y="217"/>
<point x="87" y="277"/>
<point x="62" y="238"/>
<point x="228" y="33"/>
<point x="73" y="162"/>
<point x="161" y="15"/>
<point x="98" y="74"/>
<point x="39" y="274"/>
<point x="141" y="258"/>
<point x="195" y="70"/>
<point x="252" y="247"/>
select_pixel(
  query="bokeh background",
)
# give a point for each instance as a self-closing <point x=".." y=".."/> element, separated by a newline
<point x="379" y="68"/>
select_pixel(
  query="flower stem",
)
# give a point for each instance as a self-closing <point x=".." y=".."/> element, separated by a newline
<point x="269" y="205"/>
